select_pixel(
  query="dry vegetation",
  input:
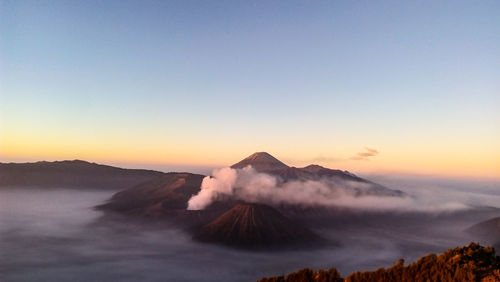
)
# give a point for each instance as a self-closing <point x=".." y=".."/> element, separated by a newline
<point x="471" y="263"/>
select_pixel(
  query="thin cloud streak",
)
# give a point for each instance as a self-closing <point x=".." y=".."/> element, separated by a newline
<point x="327" y="159"/>
<point x="365" y="155"/>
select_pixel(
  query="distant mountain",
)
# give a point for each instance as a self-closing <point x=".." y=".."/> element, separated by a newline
<point x="488" y="230"/>
<point x="320" y="171"/>
<point x="262" y="162"/>
<point x="255" y="226"/>
<point x="70" y="174"/>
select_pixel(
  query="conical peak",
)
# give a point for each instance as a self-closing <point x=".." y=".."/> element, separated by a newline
<point x="261" y="156"/>
<point x="261" y="161"/>
<point x="254" y="226"/>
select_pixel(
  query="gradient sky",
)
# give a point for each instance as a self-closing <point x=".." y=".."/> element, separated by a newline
<point x="207" y="83"/>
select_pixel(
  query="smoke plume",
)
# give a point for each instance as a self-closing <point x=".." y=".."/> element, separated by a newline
<point x="251" y="186"/>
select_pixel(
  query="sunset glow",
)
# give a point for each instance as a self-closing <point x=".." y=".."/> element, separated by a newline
<point x="319" y="88"/>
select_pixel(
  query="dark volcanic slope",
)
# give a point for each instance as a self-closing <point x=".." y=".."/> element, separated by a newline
<point x="169" y="191"/>
<point x="72" y="174"/>
<point x="254" y="226"/>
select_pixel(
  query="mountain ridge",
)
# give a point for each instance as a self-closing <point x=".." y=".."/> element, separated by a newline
<point x="72" y="174"/>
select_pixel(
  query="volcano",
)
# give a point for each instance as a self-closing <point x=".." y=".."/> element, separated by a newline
<point x="169" y="193"/>
<point x="261" y="162"/>
<point x="265" y="163"/>
<point x="254" y="226"/>
<point x="236" y="222"/>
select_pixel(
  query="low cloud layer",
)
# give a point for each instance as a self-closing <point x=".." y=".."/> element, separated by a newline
<point x="251" y="186"/>
<point x="72" y="239"/>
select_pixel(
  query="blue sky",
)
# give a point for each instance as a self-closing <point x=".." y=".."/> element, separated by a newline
<point x="213" y="81"/>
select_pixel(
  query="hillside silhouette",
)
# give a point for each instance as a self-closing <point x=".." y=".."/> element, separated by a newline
<point x="72" y="174"/>
<point x="472" y="263"/>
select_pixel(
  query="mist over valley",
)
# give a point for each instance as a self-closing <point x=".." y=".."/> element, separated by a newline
<point x="58" y="233"/>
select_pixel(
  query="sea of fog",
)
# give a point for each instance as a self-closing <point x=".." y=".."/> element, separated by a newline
<point x="56" y="235"/>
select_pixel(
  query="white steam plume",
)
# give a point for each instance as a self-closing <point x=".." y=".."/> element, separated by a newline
<point x="222" y="183"/>
<point x="251" y="186"/>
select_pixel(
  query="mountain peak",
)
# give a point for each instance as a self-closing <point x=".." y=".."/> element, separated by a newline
<point x="261" y="161"/>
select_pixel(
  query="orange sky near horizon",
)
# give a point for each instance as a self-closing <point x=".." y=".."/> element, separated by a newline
<point x="479" y="162"/>
<point x="174" y="82"/>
